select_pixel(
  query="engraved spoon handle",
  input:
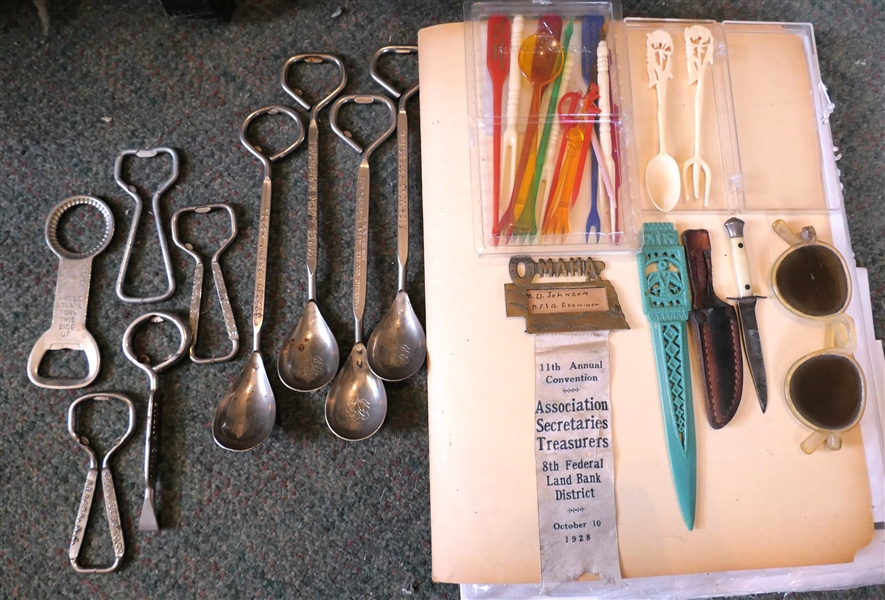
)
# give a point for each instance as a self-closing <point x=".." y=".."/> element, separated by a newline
<point x="402" y="229"/>
<point x="360" y="248"/>
<point x="261" y="264"/>
<point x="312" y="209"/>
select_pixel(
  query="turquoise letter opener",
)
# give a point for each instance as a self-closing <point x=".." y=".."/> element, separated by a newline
<point x="666" y="302"/>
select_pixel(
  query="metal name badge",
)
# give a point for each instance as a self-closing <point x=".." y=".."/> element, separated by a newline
<point x="564" y="306"/>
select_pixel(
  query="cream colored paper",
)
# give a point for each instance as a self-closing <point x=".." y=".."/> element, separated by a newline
<point x="761" y="502"/>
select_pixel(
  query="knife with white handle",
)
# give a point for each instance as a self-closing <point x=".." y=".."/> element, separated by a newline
<point x="746" y="305"/>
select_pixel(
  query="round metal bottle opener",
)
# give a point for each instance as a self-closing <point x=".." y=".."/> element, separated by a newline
<point x="68" y="330"/>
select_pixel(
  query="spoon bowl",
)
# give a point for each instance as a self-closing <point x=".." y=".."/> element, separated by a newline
<point x="397" y="346"/>
<point x="310" y="356"/>
<point x="662" y="182"/>
<point x="245" y="416"/>
<point x="356" y="404"/>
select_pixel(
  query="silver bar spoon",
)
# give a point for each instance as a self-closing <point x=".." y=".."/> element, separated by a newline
<point x="356" y="404"/>
<point x="245" y="416"/>
<point x="398" y="346"/>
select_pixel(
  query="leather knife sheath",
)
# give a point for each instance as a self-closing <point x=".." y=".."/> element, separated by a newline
<point x="717" y="333"/>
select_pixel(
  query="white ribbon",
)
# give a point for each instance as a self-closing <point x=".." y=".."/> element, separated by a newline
<point x="574" y="459"/>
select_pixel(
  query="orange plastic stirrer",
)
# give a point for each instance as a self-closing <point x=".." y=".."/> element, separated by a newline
<point x="568" y="110"/>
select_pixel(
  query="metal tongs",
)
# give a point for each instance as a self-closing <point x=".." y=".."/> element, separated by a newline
<point x="107" y="486"/>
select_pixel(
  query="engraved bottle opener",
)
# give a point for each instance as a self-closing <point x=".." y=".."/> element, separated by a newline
<point x="136" y="216"/>
<point x="148" y="519"/>
<point x="68" y="330"/>
<point x="107" y="486"/>
<point x="220" y="287"/>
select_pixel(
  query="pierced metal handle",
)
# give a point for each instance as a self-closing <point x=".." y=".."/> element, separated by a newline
<point x="363" y="99"/>
<point x="315" y="58"/>
<point x="256" y="150"/>
<point x="380" y="80"/>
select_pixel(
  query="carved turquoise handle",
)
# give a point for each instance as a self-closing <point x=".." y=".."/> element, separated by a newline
<point x="666" y="302"/>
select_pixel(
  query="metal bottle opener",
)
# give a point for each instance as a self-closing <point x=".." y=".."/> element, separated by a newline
<point x="155" y="208"/>
<point x="68" y="330"/>
<point x="398" y="345"/>
<point x="107" y="486"/>
<point x="217" y="276"/>
<point x="402" y="153"/>
<point x="356" y="404"/>
<point x="148" y="519"/>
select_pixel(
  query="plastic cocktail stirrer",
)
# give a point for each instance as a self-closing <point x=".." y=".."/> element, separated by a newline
<point x="549" y="174"/>
<point x="498" y="62"/>
<point x="591" y="31"/>
<point x="616" y="159"/>
<point x="605" y="130"/>
<point x="511" y="137"/>
<point x="551" y="26"/>
<point x="567" y="110"/>
<point x="575" y="143"/>
<point x="591" y="97"/>
<point x="526" y="224"/>
<point x="556" y="219"/>
<point x="592" y="109"/>
<point x="541" y="60"/>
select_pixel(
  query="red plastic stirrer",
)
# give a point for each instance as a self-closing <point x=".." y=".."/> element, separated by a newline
<point x="498" y="62"/>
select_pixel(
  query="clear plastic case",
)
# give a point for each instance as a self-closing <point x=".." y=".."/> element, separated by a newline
<point x="755" y="119"/>
<point x="542" y="124"/>
<point x="758" y="119"/>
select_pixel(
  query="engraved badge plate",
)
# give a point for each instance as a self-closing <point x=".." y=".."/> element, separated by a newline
<point x="562" y="306"/>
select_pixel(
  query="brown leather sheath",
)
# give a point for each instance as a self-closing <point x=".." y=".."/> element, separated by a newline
<point x="717" y="333"/>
